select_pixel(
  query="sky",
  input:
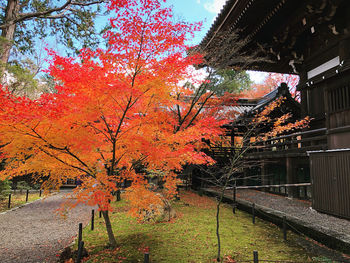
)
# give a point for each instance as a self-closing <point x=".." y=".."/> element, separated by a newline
<point x="204" y="11"/>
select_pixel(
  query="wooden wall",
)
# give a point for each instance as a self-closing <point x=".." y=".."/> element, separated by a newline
<point x="330" y="178"/>
<point x="338" y="111"/>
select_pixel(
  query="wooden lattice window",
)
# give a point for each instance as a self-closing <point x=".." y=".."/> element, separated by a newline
<point x="339" y="99"/>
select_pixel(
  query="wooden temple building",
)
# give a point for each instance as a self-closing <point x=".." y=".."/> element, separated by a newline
<point x="310" y="38"/>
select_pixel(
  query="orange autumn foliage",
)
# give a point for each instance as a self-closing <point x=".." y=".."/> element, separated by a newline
<point x="193" y="199"/>
<point x="272" y="81"/>
<point x="143" y="199"/>
<point x="279" y="125"/>
<point x="148" y="203"/>
<point x="115" y="110"/>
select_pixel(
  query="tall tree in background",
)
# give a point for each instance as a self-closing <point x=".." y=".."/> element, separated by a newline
<point x="228" y="80"/>
<point x="22" y="22"/>
<point x="115" y="110"/>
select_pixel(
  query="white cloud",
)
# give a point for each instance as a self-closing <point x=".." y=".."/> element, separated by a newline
<point x="197" y="76"/>
<point x="258" y="76"/>
<point x="214" y="6"/>
<point x="198" y="1"/>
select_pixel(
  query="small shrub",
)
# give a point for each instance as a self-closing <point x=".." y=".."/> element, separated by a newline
<point x="5" y="188"/>
<point x="22" y="185"/>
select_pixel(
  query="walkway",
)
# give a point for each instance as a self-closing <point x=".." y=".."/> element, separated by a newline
<point x="35" y="233"/>
<point x="331" y="231"/>
<point x="301" y="210"/>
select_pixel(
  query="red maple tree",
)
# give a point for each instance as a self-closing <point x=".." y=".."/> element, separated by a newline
<point x="115" y="110"/>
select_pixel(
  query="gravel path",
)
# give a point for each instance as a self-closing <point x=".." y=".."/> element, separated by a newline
<point x="297" y="208"/>
<point x="35" y="233"/>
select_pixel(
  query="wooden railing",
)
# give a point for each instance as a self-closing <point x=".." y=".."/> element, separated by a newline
<point x="298" y="142"/>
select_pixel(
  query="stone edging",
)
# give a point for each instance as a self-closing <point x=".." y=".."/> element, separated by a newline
<point x="20" y="206"/>
<point x="23" y="205"/>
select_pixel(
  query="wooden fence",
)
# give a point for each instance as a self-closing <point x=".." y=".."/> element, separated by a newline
<point x="330" y="179"/>
<point x="299" y="142"/>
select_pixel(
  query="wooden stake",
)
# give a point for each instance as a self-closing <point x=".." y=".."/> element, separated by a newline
<point x="234" y="199"/>
<point x="146" y="259"/>
<point x="9" y="204"/>
<point x="92" y="219"/>
<point x="80" y="251"/>
<point x="284" y="228"/>
<point x="118" y="195"/>
<point x="80" y="233"/>
<point x="256" y="256"/>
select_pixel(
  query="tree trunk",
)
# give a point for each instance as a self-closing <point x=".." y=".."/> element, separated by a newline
<point x="111" y="238"/>
<point x="217" y="229"/>
<point x="8" y="33"/>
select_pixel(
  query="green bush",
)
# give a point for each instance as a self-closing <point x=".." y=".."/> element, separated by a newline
<point x="22" y="185"/>
<point x="5" y="189"/>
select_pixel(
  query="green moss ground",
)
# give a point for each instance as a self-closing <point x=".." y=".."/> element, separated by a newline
<point x="191" y="237"/>
<point x="18" y="199"/>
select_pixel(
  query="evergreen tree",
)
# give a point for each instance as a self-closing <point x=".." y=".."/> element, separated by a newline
<point x="24" y="21"/>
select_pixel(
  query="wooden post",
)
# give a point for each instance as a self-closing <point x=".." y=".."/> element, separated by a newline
<point x="92" y="219"/>
<point x="201" y="188"/>
<point x="40" y="193"/>
<point x="284" y="228"/>
<point x="291" y="177"/>
<point x="80" y="251"/>
<point x="200" y="192"/>
<point x="264" y="176"/>
<point x="80" y="233"/>
<point x="245" y="177"/>
<point x="27" y="193"/>
<point x="118" y="195"/>
<point x="234" y="199"/>
<point x="186" y="185"/>
<point x="9" y="204"/>
<point x="256" y="256"/>
<point x="177" y="196"/>
<point x="253" y="212"/>
<point x="146" y="258"/>
<point x="305" y="193"/>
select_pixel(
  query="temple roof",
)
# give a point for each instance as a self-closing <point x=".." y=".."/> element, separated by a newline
<point x="246" y="113"/>
<point x="280" y="29"/>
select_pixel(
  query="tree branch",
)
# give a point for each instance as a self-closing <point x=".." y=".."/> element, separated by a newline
<point x="65" y="163"/>
<point x="27" y="16"/>
<point x="47" y="13"/>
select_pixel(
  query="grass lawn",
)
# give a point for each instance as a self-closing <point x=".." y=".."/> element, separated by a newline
<point x="18" y="199"/>
<point x="191" y="237"/>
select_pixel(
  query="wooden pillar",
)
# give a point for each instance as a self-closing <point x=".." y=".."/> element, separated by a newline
<point x="303" y="92"/>
<point x="291" y="177"/>
<point x="245" y="176"/>
<point x="264" y="176"/>
<point x="232" y="138"/>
